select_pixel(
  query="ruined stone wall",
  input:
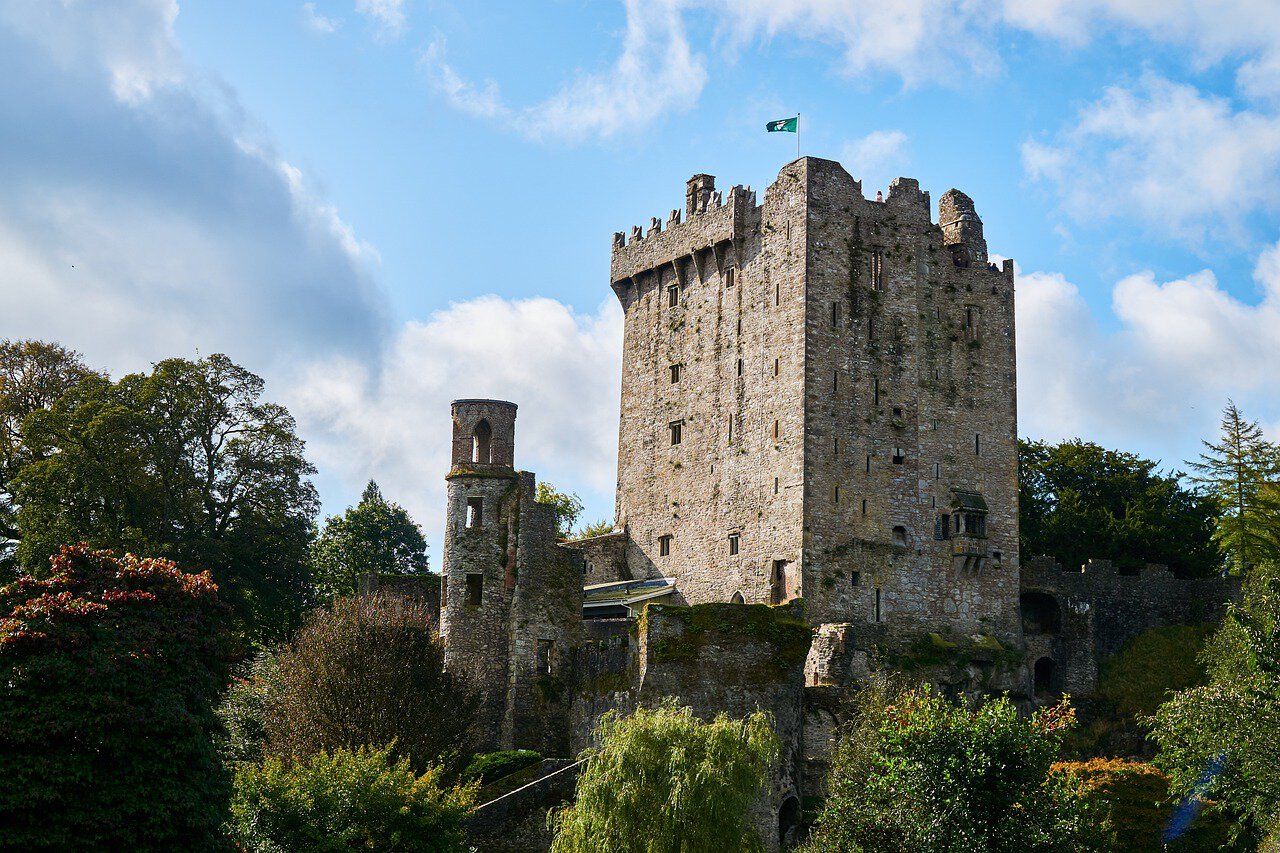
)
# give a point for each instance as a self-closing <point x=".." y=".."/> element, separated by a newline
<point x="737" y="286"/>
<point x="910" y="398"/>
<point x="604" y="558"/>
<point x="1079" y="618"/>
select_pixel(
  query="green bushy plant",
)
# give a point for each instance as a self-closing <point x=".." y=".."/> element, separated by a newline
<point x="489" y="767"/>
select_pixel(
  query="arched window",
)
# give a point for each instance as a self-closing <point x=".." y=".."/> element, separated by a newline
<point x="737" y="598"/>
<point x="899" y="535"/>
<point x="789" y="823"/>
<point x="1040" y="613"/>
<point x="482" y="443"/>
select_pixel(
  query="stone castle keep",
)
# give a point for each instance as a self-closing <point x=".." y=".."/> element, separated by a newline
<point x="819" y="413"/>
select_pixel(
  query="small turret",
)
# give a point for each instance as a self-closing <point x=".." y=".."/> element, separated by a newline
<point x="484" y="434"/>
<point x="698" y="193"/>
<point x="961" y="229"/>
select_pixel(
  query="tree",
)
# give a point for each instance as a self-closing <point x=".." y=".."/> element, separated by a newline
<point x="568" y="507"/>
<point x="914" y="771"/>
<point x="1220" y="742"/>
<point x="187" y="463"/>
<point x="600" y="528"/>
<point x="373" y="536"/>
<point x="33" y="375"/>
<point x="663" y="780"/>
<point x="1078" y="501"/>
<point x="108" y="672"/>
<point x="368" y="672"/>
<point x="347" y="800"/>
<point x="1239" y="472"/>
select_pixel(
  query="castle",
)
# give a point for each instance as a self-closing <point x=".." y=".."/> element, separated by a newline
<point x="818" y="413"/>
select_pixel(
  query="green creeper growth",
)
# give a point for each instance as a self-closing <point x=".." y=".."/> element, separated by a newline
<point x="663" y="780"/>
<point x="568" y="507"/>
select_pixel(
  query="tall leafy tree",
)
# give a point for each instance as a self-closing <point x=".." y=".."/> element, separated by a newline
<point x="1240" y="471"/>
<point x="185" y="462"/>
<point x="568" y="507"/>
<point x="662" y="780"/>
<point x="108" y="671"/>
<point x="33" y="375"/>
<point x="1078" y="501"/>
<point x="376" y="536"/>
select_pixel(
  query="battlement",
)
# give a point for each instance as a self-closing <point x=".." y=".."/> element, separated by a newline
<point x="1102" y="580"/>
<point x="709" y="220"/>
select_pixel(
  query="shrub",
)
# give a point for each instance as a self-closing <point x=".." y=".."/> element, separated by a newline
<point x="243" y="708"/>
<point x="492" y="766"/>
<point x="1132" y="800"/>
<point x="914" y="771"/>
<point x="365" y="672"/>
<point x="108" y="672"/>
<point x="663" y="780"/>
<point x="346" y="800"/>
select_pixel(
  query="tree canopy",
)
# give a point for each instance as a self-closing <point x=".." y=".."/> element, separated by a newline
<point x="376" y="536"/>
<point x="568" y="507"/>
<point x="185" y="462"/>
<point x="663" y="780"/>
<point x="1079" y="501"/>
<point x="108" y="671"/>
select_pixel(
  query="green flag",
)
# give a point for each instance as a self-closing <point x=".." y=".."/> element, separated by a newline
<point x="783" y="124"/>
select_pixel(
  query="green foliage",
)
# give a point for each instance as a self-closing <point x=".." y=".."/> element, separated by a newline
<point x="1221" y="741"/>
<point x="600" y="528"/>
<point x="346" y="800"/>
<point x="914" y="771"/>
<point x="1130" y="800"/>
<point x="365" y="672"/>
<point x="373" y="536"/>
<point x="1079" y="501"/>
<point x="1240" y="473"/>
<point x="489" y="767"/>
<point x="568" y="507"/>
<point x="243" y="709"/>
<point x="726" y="625"/>
<point x="1137" y="680"/>
<point x="33" y="375"/>
<point x="663" y="780"/>
<point x="185" y="463"/>
<point x="108" y="672"/>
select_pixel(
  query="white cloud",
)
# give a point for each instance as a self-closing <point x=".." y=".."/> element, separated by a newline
<point x="871" y="158"/>
<point x="317" y="22"/>
<point x="1184" y="163"/>
<point x="1178" y="351"/>
<point x="391" y="422"/>
<point x="484" y="101"/>
<point x="387" y="15"/>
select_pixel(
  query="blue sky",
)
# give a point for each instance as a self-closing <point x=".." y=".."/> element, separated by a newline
<point x="380" y="205"/>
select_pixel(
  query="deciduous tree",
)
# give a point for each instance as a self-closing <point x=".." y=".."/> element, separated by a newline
<point x="568" y="507"/>
<point x="376" y="536"/>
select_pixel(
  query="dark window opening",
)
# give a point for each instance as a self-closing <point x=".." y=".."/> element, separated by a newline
<point x="664" y="546"/>
<point x="789" y="830"/>
<point x="739" y="325"/>
<point x="835" y="446"/>
<point x="733" y="544"/>
<point x="778" y="582"/>
<point x="835" y="382"/>
<point x="475" y="589"/>
<point x="544" y="655"/>
<point x="739" y="367"/>
<point x="942" y="526"/>
<point x="777" y="430"/>
<point x="731" y="429"/>
<point x="835" y="495"/>
<point x="835" y="314"/>
<point x="777" y="366"/>
<point x="673" y="296"/>
<point x="777" y="293"/>
<point x="960" y="256"/>
<point x="868" y="463"/>
<point x="897" y="412"/>
<point x="864" y="506"/>
<point x="728" y="277"/>
<point x="475" y="512"/>
<point x="937" y="470"/>
<point x="899" y="456"/>
<point x="875" y="392"/>
<point x="855" y="578"/>
<point x="675" y="373"/>
<point x="1040" y="613"/>
<point x="971" y="523"/>
<point x="977" y="444"/>
<point x="1046" y="678"/>
<point x="877" y="604"/>
<point x="737" y="598"/>
<point x="877" y="270"/>
<point x="899" y="535"/>
<point x="677" y="431"/>
<point x="482" y="443"/>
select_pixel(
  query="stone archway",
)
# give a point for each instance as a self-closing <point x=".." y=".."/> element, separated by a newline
<point x="789" y="823"/>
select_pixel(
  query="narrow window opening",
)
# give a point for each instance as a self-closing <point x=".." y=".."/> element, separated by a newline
<point x="544" y="655"/>
<point x="835" y="314"/>
<point x="897" y="412"/>
<point x="936" y="374"/>
<point x="877" y="604"/>
<point x="864" y="506"/>
<point x="777" y="430"/>
<point x="677" y="431"/>
<point x="899" y="535"/>
<point x="729" y="276"/>
<point x="977" y="444"/>
<point x="942" y="526"/>
<point x="733" y="544"/>
<point x="664" y="546"/>
<point x="877" y="270"/>
<point x="475" y="512"/>
<point x="775" y="485"/>
<point x="937" y="470"/>
<point x="673" y="296"/>
<point x="868" y="463"/>
<point x="739" y="367"/>
<point x="675" y="373"/>
<point x="777" y="366"/>
<point x="835" y="446"/>
<point x="739" y="325"/>
<point x="855" y="578"/>
<point x="777" y="293"/>
<point x="730" y="419"/>
<point x="482" y="443"/>
<point x="475" y="589"/>
<point x="899" y="456"/>
<point x="835" y="495"/>
<point x="835" y="382"/>
<point x="875" y="392"/>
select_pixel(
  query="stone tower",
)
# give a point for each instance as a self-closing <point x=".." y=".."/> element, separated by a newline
<point x="512" y="599"/>
<point x="818" y="401"/>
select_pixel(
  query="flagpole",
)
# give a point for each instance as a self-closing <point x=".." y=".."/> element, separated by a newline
<point x="797" y="136"/>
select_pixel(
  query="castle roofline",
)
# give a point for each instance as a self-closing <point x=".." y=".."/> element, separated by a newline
<point x="474" y="400"/>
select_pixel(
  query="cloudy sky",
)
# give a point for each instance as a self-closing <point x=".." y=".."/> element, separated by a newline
<point x="381" y="205"/>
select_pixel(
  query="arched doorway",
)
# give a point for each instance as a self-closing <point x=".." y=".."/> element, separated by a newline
<point x="789" y="823"/>
<point x="1045" y="678"/>
<point x="1040" y="613"/>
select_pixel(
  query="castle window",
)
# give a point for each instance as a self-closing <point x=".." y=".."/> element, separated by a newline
<point x="673" y="296"/>
<point x="835" y="446"/>
<point x="482" y="443"/>
<point x="728" y="277"/>
<point x="898" y="456"/>
<point x="835" y="382"/>
<point x="775" y="485"/>
<point x="977" y="444"/>
<point x="877" y="270"/>
<point x="677" y="430"/>
<point x="899" y="535"/>
<point x="897" y="412"/>
<point x="544" y="655"/>
<point x="676" y="370"/>
<point x="475" y="512"/>
<point x="868" y="463"/>
<point x="835" y="495"/>
<point x="730" y="419"/>
<point x="739" y="325"/>
<point x="777" y="366"/>
<point x="733" y="544"/>
<point x="937" y="374"/>
<point x="855" y="578"/>
<point x="739" y="367"/>
<point x="664" y="546"/>
<point x="475" y="588"/>
<point x="777" y="293"/>
<point x="864" y="506"/>
<point x="835" y="314"/>
<point x="777" y="430"/>
<point x="942" y="526"/>
<point x="877" y="604"/>
<point x="937" y="470"/>
<point x="875" y="392"/>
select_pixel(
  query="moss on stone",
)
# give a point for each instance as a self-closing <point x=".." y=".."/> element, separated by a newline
<point x="722" y="624"/>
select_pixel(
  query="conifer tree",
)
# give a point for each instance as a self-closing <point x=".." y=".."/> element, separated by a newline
<point x="376" y="535"/>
